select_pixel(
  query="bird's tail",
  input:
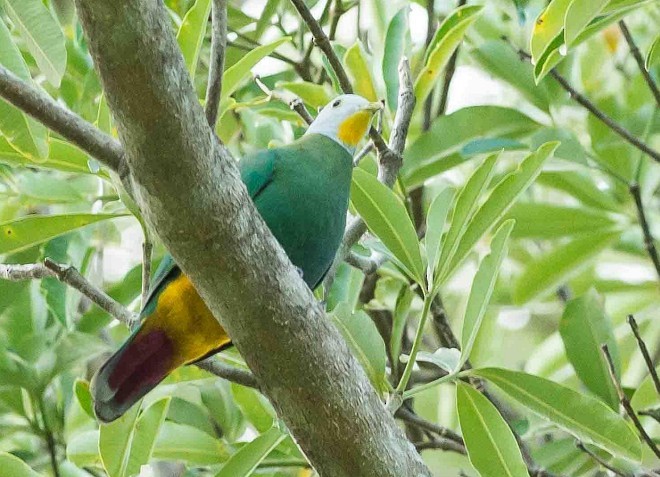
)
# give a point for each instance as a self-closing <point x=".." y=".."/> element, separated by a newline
<point x="178" y="330"/>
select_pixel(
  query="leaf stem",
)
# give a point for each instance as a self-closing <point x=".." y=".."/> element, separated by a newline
<point x="645" y="352"/>
<point x="405" y="377"/>
<point x="634" y="50"/>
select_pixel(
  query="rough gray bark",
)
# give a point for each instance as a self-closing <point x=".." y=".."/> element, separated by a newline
<point x="190" y="191"/>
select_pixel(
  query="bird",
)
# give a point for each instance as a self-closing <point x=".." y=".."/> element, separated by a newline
<point x="301" y="190"/>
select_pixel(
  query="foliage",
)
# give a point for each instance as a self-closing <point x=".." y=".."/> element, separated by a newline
<point x="516" y="218"/>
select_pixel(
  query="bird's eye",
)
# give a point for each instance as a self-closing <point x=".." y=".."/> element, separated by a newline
<point x="336" y="103"/>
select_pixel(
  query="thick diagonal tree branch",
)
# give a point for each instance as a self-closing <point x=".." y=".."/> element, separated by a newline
<point x="46" y="110"/>
<point x="191" y="192"/>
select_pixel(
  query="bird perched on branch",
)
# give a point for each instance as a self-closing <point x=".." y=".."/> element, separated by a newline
<point x="301" y="190"/>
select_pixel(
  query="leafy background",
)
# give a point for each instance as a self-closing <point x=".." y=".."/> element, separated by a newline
<point x="532" y="246"/>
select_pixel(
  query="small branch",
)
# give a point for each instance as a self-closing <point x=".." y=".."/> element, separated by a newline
<point x="147" y="249"/>
<point x="295" y="103"/>
<point x="645" y="352"/>
<point x="599" y="114"/>
<point x="440" y="431"/>
<point x="640" y="61"/>
<point x="70" y="276"/>
<point x="364" y="152"/>
<point x="600" y="461"/>
<point x="449" y="73"/>
<point x="217" y="66"/>
<point x="649" y="242"/>
<point x="626" y="403"/>
<point x="50" y="439"/>
<point x="440" y="444"/>
<point x="230" y="373"/>
<point x="53" y="115"/>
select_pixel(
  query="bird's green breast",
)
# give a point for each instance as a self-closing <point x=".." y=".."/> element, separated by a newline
<point x="304" y="200"/>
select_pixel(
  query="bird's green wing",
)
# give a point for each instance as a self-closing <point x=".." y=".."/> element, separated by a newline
<point x="257" y="171"/>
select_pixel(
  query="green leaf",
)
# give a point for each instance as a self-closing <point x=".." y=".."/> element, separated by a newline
<point x="435" y="226"/>
<point x="447" y="38"/>
<point x="244" y="462"/>
<point x="144" y="436"/>
<point x="23" y="136"/>
<point x="233" y="76"/>
<point x="491" y="446"/>
<point x="387" y="218"/>
<point x="27" y="231"/>
<point x="587" y="418"/>
<point x="553" y="268"/>
<point x="482" y="289"/>
<point x="254" y="406"/>
<point x="584" y="327"/>
<point x="499" y="59"/>
<point x="578" y="16"/>
<point x="548" y="221"/>
<point x="83" y="449"/>
<point x="179" y="442"/>
<point x="448" y="359"/>
<point x="582" y="187"/>
<point x="400" y="318"/>
<point x="359" y="72"/>
<point x="42" y="35"/>
<point x="84" y="396"/>
<point x="264" y="22"/>
<point x="653" y="56"/>
<point x="315" y="95"/>
<point x="365" y="342"/>
<point x="441" y="147"/>
<point x="191" y="33"/>
<point x="115" y="442"/>
<point x="397" y="37"/>
<point x="466" y="203"/>
<point x="12" y="466"/>
<point x="547" y="27"/>
<point x="500" y="201"/>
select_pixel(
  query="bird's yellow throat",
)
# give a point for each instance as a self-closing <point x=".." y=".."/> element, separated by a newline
<point x="353" y="129"/>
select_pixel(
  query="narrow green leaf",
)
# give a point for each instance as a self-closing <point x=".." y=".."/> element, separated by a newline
<point x="547" y="27"/>
<point x="185" y="443"/>
<point x="34" y="229"/>
<point x="144" y="436"/>
<point x="482" y="289"/>
<point x="359" y="72"/>
<point x="387" y="218"/>
<point x="42" y="35"/>
<point x="548" y="221"/>
<point x="584" y="327"/>
<point x="244" y="462"/>
<point x="435" y="227"/>
<point x="23" y="136"/>
<point x="491" y="446"/>
<point x="83" y="449"/>
<point x="115" y="442"/>
<point x="578" y="16"/>
<point x="653" y="56"/>
<point x="400" y="318"/>
<point x="448" y="359"/>
<point x="555" y="267"/>
<point x="447" y="38"/>
<point x="365" y="342"/>
<point x="397" y="36"/>
<point x="191" y="33"/>
<point x="264" y="22"/>
<point x="587" y="418"/>
<point x="441" y="148"/>
<point x="466" y="203"/>
<point x="500" y="201"/>
<point x="233" y="76"/>
<point x="582" y="187"/>
<point x="255" y="407"/>
<point x="12" y="466"/>
<point x="315" y="95"/>
<point x="84" y="396"/>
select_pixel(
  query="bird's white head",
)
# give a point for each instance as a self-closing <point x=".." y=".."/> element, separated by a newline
<point x="345" y="120"/>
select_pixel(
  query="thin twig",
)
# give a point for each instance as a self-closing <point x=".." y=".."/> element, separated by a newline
<point x="600" y="461"/>
<point x="365" y="151"/>
<point x="626" y="403"/>
<point x="50" y="439"/>
<point x="217" y="66"/>
<point x="449" y="73"/>
<point x="440" y="431"/>
<point x="35" y="102"/>
<point x="640" y="61"/>
<point x="649" y="242"/>
<point x="147" y="249"/>
<point x="389" y="163"/>
<point x="295" y="103"/>
<point x="598" y="113"/>
<point x="440" y="444"/>
<point x="70" y="276"/>
<point x="645" y="352"/>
